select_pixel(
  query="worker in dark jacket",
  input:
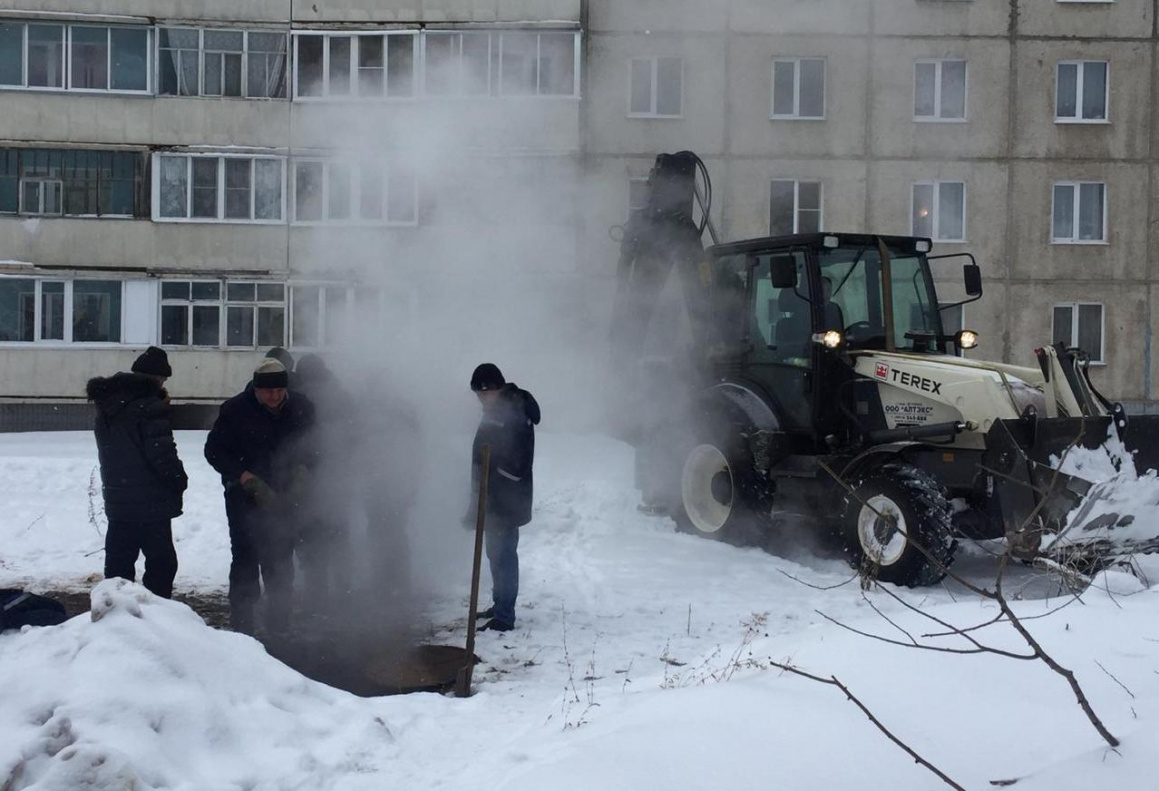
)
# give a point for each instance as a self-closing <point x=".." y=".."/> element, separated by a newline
<point x="508" y="427"/>
<point x="142" y="478"/>
<point x="259" y="445"/>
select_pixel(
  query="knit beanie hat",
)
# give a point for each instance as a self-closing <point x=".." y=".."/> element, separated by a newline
<point x="282" y="356"/>
<point x="487" y="377"/>
<point x="271" y="374"/>
<point x="154" y="362"/>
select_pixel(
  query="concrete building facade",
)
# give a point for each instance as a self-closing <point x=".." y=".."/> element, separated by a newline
<point x="220" y="177"/>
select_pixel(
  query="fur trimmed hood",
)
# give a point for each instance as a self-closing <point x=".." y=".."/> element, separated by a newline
<point x="111" y="394"/>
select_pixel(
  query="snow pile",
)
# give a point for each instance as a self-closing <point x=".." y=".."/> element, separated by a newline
<point x="1109" y="460"/>
<point x="143" y="695"/>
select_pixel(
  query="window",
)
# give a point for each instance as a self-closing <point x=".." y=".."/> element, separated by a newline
<point x="940" y="90"/>
<point x="368" y="193"/>
<point x="96" y="311"/>
<point x="32" y="55"/>
<point x="794" y="207"/>
<point x="100" y="58"/>
<point x="1080" y="325"/>
<point x="939" y="211"/>
<point x="239" y="63"/>
<point x="500" y="63"/>
<point x="364" y="66"/>
<point x="191" y="313"/>
<point x="799" y="89"/>
<point x="255" y="314"/>
<point x="218" y="188"/>
<point x="457" y="64"/>
<point x="17" y="309"/>
<point x="34" y="310"/>
<point x="318" y="314"/>
<point x="48" y="182"/>
<point x="1079" y="214"/>
<point x="656" y="88"/>
<point x="1081" y="91"/>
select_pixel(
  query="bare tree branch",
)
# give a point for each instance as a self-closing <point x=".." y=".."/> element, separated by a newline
<point x="1112" y="675"/>
<point x="817" y="587"/>
<point x="832" y="681"/>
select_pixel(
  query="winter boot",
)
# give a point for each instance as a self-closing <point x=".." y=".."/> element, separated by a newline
<point x="494" y="625"/>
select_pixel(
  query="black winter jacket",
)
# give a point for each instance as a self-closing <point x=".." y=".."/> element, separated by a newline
<point x="142" y="477"/>
<point x="248" y="437"/>
<point x="509" y="428"/>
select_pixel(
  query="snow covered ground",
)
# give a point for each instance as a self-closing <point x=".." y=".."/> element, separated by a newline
<point x="641" y="660"/>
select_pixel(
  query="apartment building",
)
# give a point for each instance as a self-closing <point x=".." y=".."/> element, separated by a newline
<point x="222" y="177"/>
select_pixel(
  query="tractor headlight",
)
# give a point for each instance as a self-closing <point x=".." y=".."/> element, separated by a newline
<point x="830" y="339"/>
<point x="966" y="339"/>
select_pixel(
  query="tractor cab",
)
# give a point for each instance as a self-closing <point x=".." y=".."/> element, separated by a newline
<point x="789" y="315"/>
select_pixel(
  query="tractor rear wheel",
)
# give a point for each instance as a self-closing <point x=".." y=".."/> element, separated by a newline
<point x="897" y="526"/>
<point x="719" y="493"/>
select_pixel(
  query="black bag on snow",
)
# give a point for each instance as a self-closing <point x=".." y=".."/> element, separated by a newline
<point x="20" y="608"/>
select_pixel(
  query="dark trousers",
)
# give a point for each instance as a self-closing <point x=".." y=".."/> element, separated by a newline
<point x="125" y="540"/>
<point x="263" y="554"/>
<point x="503" y="555"/>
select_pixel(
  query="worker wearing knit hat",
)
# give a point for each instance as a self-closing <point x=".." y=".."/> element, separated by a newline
<point x="153" y="362"/>
<point x="487" y="377"/>
<point x="256" y="445"/>
<point x="271" y="375"/>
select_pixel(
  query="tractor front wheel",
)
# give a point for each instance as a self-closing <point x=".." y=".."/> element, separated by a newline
<point x="897" y="526"/>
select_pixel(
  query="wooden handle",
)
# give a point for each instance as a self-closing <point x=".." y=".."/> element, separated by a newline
<point x="463" y="681"/>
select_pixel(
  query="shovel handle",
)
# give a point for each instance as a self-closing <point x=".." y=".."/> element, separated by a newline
<point x="463" y="681"/>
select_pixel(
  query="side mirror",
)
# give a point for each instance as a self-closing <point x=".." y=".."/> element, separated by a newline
<point x="783" y="271"/>
<point x="972" y="274"/>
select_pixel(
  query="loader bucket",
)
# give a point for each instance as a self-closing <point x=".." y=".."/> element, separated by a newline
<point x="1089" y="507"/>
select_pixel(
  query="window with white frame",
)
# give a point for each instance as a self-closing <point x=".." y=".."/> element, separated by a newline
<point x="940" y="90"/>
<point x="1082" y="88"/>
<point x="76" y="57"/>
<point x="70" y="182"/>
<point x="501" y="63"/>
<point x="191" y="313"/>
<point x="255" y="314"/>
<point x="457" y="64"/>
<point x="210" y="188"/>
<point x="1080" y="325"/>
<point x="242" y="63"/>
<point x="44" y="309"/>
<point x="799" y="88"/>
<point x="355" y="66"/>
<point x="794" y="207"/>
<point x="939" y="210"/>
<point x="320" y="314"/>
<point x="656" y="88"/>
<point x="362" y="193"/>
<point x="1079" y="213"/>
